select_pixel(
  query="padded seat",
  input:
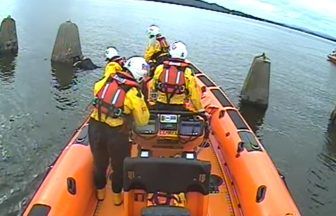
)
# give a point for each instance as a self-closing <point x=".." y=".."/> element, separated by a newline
<point x="165" y="211"/>
<point x="170" y="175"/>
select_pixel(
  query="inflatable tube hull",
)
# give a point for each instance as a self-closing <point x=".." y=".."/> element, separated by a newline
<point x="244" y="180"/>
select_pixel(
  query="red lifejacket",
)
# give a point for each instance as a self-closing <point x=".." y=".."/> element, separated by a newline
<point x="111" y="97"/>
<point x="163" y="43"/>
<point x="172" y="79"/>
<point x="164" y="49"/>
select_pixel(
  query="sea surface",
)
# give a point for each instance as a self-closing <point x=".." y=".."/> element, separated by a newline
<point x="41" y="107"/>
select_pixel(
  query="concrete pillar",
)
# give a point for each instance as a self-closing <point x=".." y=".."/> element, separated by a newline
<point x="333" y="117"/>
<point x="8" y="36"/>
<point x="256" y="86"/>
<point x="253" y="115"/>
<point x="67" y="47"/>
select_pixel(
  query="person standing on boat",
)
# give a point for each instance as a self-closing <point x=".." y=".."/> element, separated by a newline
<point x="118" y="102"/>
<point x="114" y="61"/>
<point x="157" y="49"/>
<point x="174" y="83"/>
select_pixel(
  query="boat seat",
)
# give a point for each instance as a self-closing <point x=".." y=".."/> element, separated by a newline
<point x="165" y="211"/>
<point x="170" y="175"/>
<point x="143" y="176"/>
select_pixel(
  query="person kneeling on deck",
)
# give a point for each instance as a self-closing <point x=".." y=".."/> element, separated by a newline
<point x="174" y="83"/>
<point x="118" y="102"/>
<point x="114" y="61"/>
<point x="157" y="49"/>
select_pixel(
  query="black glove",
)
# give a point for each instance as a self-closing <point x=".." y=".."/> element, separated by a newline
<point x="204" y="115"/>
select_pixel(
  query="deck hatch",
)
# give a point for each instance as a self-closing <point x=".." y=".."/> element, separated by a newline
<point x="249" y="140"/>
<point x="206" y="81"/>
<point x="221" y="97"/>
<point x="194" y="69"/>
<point x="237" y="119"/>
<point x="39" y="210"/>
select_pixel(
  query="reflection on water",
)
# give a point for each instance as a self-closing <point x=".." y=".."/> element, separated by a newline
<point x="321" y="178"/>
<point x="302" y="86"/>
<point x="328" y="158"/>
<point x="331" y="140"/>
<point x="64" y="83"/>
<point x="63" y="76"/>
<point x="254" y="117"/>
<point x="7" y="68"/>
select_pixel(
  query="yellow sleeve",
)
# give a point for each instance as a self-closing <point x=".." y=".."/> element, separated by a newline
<point x="151" y="50"/>
<point x="112" y="68"/>
<point x="194" y="92"/>
<point x="156" y="77"/>
<point x="135" y="104"/>
<point x="99" y="84"/>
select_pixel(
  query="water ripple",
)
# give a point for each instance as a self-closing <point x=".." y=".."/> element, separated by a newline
<point x="40" y="108"/>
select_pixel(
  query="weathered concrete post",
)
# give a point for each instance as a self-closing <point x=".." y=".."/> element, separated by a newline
<point x="8" y="36"/>
<point x="256" y="86"/>
<point x="252" y="115"/>
<point x="67" y="47"/>
<point x="333" y="117"/>
<point x="68" y="50"/>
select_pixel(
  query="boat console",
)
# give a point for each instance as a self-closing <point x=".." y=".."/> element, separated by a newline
<point x="169" y="133"/>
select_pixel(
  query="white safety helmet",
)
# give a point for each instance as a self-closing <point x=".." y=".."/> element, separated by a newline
<point x="153" y="31"/>
<point x="111" y="52"/>
<point x="138" y="67"/>
<point x="178" y="50"/>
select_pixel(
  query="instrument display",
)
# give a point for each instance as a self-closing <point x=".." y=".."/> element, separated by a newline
<point x="168" y="118"/>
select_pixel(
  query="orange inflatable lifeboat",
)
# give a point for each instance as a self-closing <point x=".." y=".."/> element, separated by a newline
<point x="174" y="169"/>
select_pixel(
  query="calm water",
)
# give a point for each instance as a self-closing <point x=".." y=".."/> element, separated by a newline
<point x="40" y="108"/>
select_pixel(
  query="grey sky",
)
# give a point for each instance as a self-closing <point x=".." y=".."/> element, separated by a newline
<point x="316" y="15"/>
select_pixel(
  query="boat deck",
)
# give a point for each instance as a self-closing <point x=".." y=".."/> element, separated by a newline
<point x="220" y="201"/>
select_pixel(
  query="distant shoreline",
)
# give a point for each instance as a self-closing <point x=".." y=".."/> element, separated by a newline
<point x="215" y="7"/>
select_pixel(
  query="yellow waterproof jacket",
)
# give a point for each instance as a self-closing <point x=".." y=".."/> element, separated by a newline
<point x="193" y="93"/>
<point x="152" y="49"/>
<point x="134" y="105"/>
<point x="111" y="69"/>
